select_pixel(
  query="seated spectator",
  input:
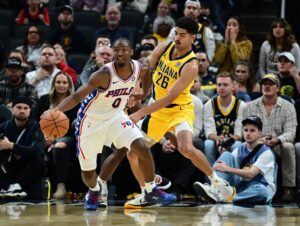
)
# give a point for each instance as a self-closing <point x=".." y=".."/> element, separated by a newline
<point x="61" y="149"/>
<point x="279" y="120"/>
<point x="66" y="33"/>
<point x="41" y="78"/>
<point x="289" y="76"/>
<point x="137" y="5"/>
<point x="32" y="44"/>
<point x="14" y="84"/>
<point x="34" y="13"/>
<point x="223" y="115"/>
<point x="162" y="27"/>
<point x="251" y="169"/>
<point x="104" y="54"/>
<point x="246" y="84"/>
<point x="208" y="78"/>
<point x="21" y="150"/>
<point x="280" y="38"/>
<point x="196" y="90"/>
<point x="112" y="29"/>
<point x="236" y="46"/>
<point x="94" y="5"/>
<point x="63" y="65"/>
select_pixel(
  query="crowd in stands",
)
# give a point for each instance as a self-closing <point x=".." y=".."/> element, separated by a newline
<point x="53" y="47"/>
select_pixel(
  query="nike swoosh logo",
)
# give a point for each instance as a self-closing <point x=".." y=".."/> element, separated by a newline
<point x="114" y="82"/>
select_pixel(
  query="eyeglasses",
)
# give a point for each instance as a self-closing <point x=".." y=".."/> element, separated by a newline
<point x="33" y="32"/>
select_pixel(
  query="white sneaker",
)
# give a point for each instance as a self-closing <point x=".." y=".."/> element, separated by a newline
<point x="208" y="192"/>
<point x="138" y="202"/>
<point x="162" y="182"/>
<point x="15" y="190"/>
<point x="228" y="192"/>
<point x="104" y="193"/>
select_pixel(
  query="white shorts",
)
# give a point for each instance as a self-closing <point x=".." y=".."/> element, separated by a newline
<point x="94" y="134"/>
<point x="183" y="126"/>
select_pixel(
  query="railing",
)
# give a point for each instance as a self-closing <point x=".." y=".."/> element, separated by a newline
<point x="282" y="9"/>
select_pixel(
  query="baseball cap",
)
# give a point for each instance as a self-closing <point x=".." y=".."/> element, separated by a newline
<point x="253" y="119"/>
<point x="272" y="77"/>
<point x="23" y="100"/>
<point x="287" y="55"/>
<point x="13" y="62"/>
<point x="67" y="7"/>
<point x="194" y="2"/>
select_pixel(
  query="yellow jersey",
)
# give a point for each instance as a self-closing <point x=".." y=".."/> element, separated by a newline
<point x="168" y="72"/>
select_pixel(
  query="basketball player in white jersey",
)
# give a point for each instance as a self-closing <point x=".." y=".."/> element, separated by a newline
<point x="101" y="121"/>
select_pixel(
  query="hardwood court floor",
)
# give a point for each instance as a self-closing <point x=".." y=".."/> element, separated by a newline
<point x="61" y="214"/>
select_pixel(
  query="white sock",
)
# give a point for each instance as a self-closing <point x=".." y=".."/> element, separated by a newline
<point x="149" y="186"/>
<point x="143" y="191"/>
<point x="214" y="178"/>
<point x="104" y="190"/>
<point x="96" y="188"/>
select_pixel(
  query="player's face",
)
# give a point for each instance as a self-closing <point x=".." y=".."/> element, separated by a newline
<point x="122" y="54"/>
<point x="183" y="40"/>
<point x="224" y="86"/>
<point x="21" y="111"/>
<point x="61" y="84"/>
<point x="251" y="133"/>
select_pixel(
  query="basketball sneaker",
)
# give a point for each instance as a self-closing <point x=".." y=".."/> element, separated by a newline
<point x="228" y="192"/>
<point x="104" y="193"/>
<point x="15" y="190"/>
<point x="138" y="202"/>
<point x="162" y="182"/>
<point x="102" y="201"/>
<point x="207" y="191"/>
<point x="91" y="200"/>
<point x="157" y="196"/>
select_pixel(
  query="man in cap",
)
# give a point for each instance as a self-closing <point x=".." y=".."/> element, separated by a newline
<point x="279" y="119"/>
<point x="288" y="75"/>
<point x="204" y="41"/>
<point x="14" y="83"/>
<point x="251" y="168"/>
<point x="66" y="33"/>
<point x="22" y="146"/>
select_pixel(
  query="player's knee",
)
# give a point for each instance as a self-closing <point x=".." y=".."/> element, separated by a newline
<point x="185" y="150"/>
<point x="60" y="145"/>
<point x="139" y="145"/>
<point x="132" y="156"/>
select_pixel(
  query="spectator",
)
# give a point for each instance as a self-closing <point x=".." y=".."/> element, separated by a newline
<point x="22" y="151"/>
<point x="197" y="91"/>
<point x="279" y="39"/>
<point x="104" y="54"/>
<point x="34" y="13"/>
<point x="41" y="78"/>
<point x="289" y="76"/>
<point x="236" y="46"/>
<point x="223" y="115"/>
<point x="208" y="83"/>
<point x="63" y="65"/>
<point x="162" y="27"/>
<point x="113" y="30"/>
<point x="32" y="44"/>
<point x="15" y="85"/>
<point x="66" y="33"/>
<point x="62" y="148"/>
<point x="251" y="168"/>
<point x="279" y="120"/>
<point x="137" y="5"/>
<point x="94" y="5"/>
<point x="204" y="41"/>
<point x="246" y="84"/>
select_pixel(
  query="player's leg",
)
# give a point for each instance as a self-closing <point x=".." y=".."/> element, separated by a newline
<point x="186" y="148"/>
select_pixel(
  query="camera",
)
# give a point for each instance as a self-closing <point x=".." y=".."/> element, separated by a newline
<point x="227" y="143"/>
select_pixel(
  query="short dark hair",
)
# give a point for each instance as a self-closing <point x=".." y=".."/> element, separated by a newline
<point x="123" y="40"/>
<point x="190" y="25"/>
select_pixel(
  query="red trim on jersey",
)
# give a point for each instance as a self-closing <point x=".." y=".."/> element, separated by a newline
<point x="78" y="137"/>
<point x="132" y="75"/>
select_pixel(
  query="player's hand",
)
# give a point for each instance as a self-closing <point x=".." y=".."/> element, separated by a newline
<point x="168" y="147"/>
<point x="137" y="116"/>
<point x="134" y="98"/>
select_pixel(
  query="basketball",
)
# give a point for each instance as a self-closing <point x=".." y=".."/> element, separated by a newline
<point x="54" y="124"/>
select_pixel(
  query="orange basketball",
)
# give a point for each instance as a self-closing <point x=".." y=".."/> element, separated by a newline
<point x="54" y="124"/>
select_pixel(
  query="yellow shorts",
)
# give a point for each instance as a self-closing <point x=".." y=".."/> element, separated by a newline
<point x="158" y="123"/>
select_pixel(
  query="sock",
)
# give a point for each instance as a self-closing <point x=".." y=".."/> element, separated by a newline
<point x="143" y="191"/>
<point x="213" y="178"/>
<point x="149" y="186"/>
<point x="96" y="188"/>
<point x="104" y="190"/>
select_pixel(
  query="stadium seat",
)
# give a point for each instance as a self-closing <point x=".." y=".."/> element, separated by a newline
<point x="87" y="18"/>
<point x="21" y="31"/>
<point x="7" y="18"/>
<point x="79" y="60"/>
<point x="88" y="33"/>
<point x="132" y="19"/>
<point x="12" y="44"/>
<point x="4" y="34"/>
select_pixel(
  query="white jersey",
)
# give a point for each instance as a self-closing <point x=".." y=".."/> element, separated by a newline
<point x="101" y="104"/>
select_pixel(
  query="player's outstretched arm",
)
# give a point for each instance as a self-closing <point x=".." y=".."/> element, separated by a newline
<point x="153" y="58"/>
<point x="99" y="79"/>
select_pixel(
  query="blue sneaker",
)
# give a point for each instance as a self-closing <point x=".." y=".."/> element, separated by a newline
<point x="91" y="200"/>
<point x="158" y="196"/>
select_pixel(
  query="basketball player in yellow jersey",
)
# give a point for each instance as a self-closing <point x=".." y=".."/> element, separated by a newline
<point x="176" y="70"/>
